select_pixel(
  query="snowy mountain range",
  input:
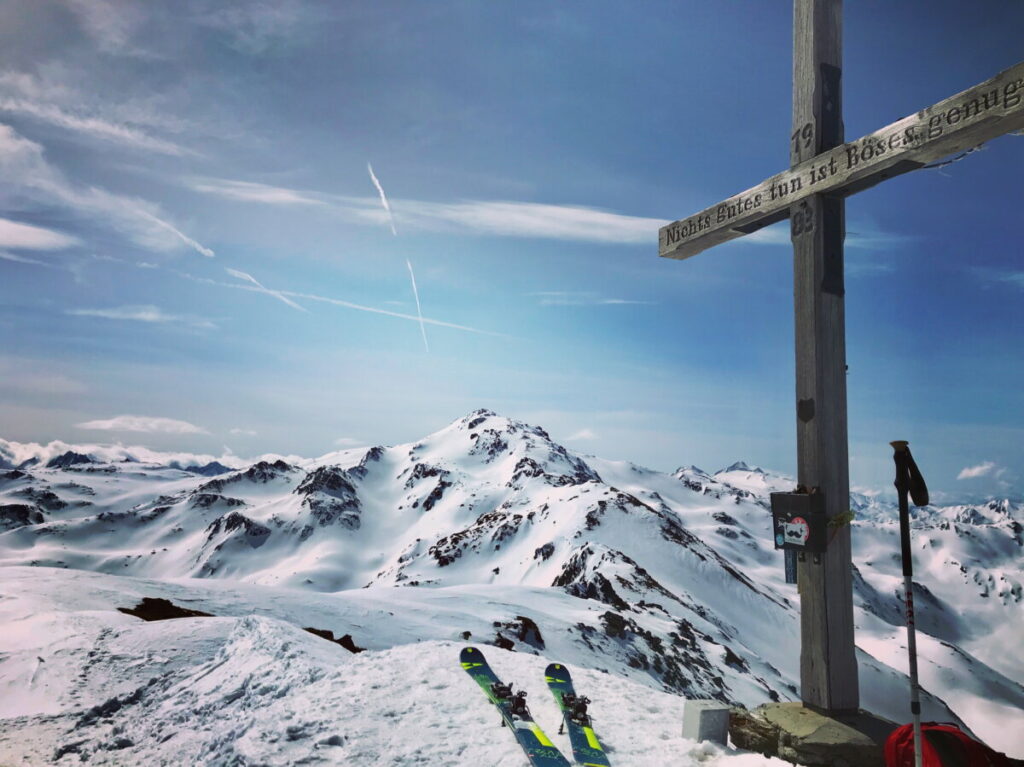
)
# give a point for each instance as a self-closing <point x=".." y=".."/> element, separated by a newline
<point x="653" y="585"/>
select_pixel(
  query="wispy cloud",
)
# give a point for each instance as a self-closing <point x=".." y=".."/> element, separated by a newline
<point x="42" y="98"/>
<point x="243" y="432"/>
<point x="112" y="26"/>
<point x="96" y="127"/>
<point x="580" y="298"/>
<point x="581" y="435"/>
<point x="24" y="167"/>
<point x="516" y="219"/>
<point x="990" y="276"/>
<point x="863" y="235"/>
<point x="259" y="27"/>
<point x="248" y="191"/>
<point x="25" y="375"/>
<point x="497" y="218"/>
<point x="348" y="442"/>
<point x="14" y="234"/>
<point x="143" y="424"/>
<point x="5" y="256"/>
<point x="144" y="313"/>
<point x="973" y="472"/>
<point x="859" y="267"/>
<point x="275" y="293"/>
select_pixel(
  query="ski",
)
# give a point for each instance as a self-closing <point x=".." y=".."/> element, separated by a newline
<point x="586" y="748"/>
<point x="538" y="747"/>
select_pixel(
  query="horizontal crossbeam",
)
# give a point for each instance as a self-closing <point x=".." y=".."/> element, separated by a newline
<point x="991" y="109"/>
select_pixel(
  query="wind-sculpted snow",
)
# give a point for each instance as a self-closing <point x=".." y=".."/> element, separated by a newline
<point x="668" y="580"/>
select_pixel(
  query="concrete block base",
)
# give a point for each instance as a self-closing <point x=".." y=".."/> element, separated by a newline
<point x="706" y="720"/>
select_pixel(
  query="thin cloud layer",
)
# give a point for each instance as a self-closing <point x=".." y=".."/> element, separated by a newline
<point x="143" y="424"/>
<point x="516" y="219"/>
<point x="248" y="191"/>
<point x="5" y="256"/>
<point x="14" y="234"/>
<point x="143" y="313"/>
<point x="259" y="27"/>
<point x="497" y="218"/>
<point x="580" y="298"/>
<point x="973" y="472"/>
<point x="112" y="26"/>
<point x="95" y="127"/>
<point x="24" y="167"/>
<point x="863" y="236"/>
<point x="581" y="435"/>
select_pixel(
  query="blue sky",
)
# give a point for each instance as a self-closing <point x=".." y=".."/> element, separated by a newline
<point x="190" y="236"/>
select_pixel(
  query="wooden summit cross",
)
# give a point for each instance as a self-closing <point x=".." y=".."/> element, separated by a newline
<point x="823" y="171"/>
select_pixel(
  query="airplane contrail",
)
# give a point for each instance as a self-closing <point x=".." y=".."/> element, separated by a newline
<point x="419" y="313"/>
<point x="391" y="220"/>
<point x="268" y="291"/>
<point x="383" y="199"/>
<point x="201" y="249"/>
<point x="338" y="302"/>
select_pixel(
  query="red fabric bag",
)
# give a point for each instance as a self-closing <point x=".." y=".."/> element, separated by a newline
<point x="944" y="745"/>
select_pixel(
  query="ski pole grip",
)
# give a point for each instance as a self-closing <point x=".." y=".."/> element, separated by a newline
<point x="908" y="473"/>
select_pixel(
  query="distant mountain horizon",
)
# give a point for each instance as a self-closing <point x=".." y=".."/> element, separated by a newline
<point x="26" y="454"/>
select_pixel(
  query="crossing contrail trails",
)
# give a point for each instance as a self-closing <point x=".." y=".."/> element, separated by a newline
<point x="419" y="313"/>
<point x="268" y="291"/>
<point x="383" y="199"/>
<point x="336" y="302"/>
<point x="394" y="231"/>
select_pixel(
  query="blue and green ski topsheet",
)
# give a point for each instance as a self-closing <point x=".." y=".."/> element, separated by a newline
<point x="586" y="748"/>
<point x="538" y="747"/>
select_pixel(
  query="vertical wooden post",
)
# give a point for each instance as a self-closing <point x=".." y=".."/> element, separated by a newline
<point x="828" y="664"/>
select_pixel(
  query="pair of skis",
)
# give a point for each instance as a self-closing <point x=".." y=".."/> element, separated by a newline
<point x="586" y="749"/>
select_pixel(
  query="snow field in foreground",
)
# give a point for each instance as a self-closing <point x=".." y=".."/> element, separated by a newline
<point x="269" y="693"/>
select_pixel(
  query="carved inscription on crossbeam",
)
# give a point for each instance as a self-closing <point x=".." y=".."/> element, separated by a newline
<point x="976" y="115"/>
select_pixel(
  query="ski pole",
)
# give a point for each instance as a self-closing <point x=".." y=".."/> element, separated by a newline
<point x="909" y="481"/>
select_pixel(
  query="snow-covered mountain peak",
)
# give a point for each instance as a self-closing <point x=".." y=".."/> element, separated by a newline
<point x="70" y="458"/>
<point x="740" y="466"/>
<point x="505" y="449"/>
<point x="486" y="421"/>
